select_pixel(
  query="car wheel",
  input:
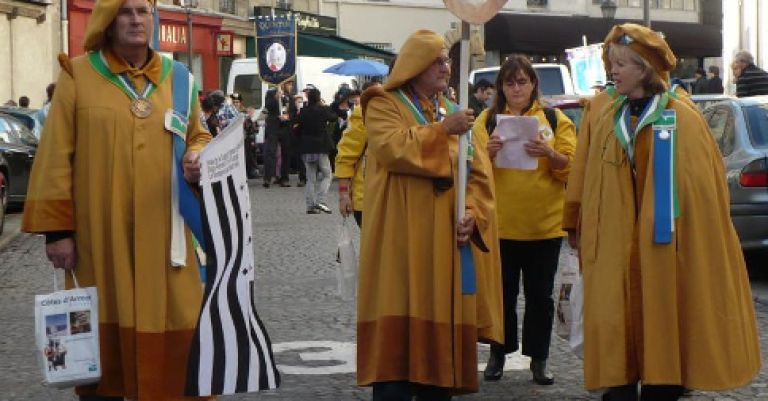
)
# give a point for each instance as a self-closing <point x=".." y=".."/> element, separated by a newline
<point x="3" y="200"/>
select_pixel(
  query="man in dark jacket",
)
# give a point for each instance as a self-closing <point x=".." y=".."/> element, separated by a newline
<point x="751" y="81"/>
<point x="701" y="84"/>
<point x="314" y="145"/>
<point x="484" y="90"/>
<point x="277" y="135"/>
<point x="715" y="83"/>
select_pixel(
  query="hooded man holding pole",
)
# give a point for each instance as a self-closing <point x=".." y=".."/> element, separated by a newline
<point x="417" y="328"/>
<point x="120" y="146"/>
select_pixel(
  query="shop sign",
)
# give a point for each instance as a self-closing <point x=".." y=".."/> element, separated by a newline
<point x="305" y="22"/>
<point x="173" y="37"/>
<point x="224" y="44"/>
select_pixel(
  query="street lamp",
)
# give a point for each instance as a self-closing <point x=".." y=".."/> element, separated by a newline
<point x="608" y="9"/>
<point x="188" y="5"/>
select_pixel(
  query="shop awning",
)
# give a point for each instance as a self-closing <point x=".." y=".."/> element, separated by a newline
<point x="335" y="46"/>
<point x="535" y="34"/>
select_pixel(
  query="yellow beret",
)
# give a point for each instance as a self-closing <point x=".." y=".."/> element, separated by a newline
<point x="419" y="51"/>
<point x="647" y="43"/>
<point x="104" y="12"/>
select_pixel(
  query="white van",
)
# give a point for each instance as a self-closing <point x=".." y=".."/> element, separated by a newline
<point x="554" y="79"/>
<point x="244" y="79"/>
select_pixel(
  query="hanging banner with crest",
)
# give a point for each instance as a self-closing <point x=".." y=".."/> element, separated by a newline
<point x="276" y="47"/>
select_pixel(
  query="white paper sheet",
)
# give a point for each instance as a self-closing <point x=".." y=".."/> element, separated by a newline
<point x="515" y="131"/>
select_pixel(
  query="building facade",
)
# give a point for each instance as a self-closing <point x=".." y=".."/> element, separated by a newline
<point x="542" y="29"/>
<point x="27" y="66"/>
<point x="745" y="26"/>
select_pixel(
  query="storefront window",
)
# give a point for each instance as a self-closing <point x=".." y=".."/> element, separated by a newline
<point x="197" y="66"/>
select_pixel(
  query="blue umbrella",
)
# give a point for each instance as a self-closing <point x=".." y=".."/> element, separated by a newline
<point x="358" y="67"/>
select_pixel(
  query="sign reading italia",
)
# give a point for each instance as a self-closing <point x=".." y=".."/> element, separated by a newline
<point x="173" y="37"/>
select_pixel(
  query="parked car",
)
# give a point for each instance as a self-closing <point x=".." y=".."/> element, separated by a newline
<point x="572" y="106"/>
<point x="554" y="79"/>
<point x="704" y="101"/>
<point x="30" y="118"/>
<point x="17" y="152"/>
<point x="740" y="127"/>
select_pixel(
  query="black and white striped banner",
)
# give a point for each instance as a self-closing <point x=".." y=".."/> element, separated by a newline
<point x="231" y="351"/>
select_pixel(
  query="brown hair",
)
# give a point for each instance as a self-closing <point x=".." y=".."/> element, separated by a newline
<point x="652" y="82"/>
<point x="513" y="65"/>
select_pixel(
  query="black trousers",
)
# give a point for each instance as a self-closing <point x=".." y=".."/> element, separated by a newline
<point x="405" y="391"/>
<point x="358" y="215"/>
<point x="537" y="262"/>
<point x="632" y="392"/>
<point x="270" y="156"/>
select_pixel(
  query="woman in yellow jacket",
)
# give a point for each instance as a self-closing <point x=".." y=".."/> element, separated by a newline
<point x="529" y="209"/>
<point x="350" y="164"/>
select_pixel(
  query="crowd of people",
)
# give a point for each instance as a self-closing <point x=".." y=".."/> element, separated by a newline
<point x="667" y="305"/>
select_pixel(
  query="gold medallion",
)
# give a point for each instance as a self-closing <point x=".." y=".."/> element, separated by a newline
<point x="141" y="108"/>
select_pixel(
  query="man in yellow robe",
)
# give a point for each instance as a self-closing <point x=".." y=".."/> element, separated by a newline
<point x="101" y="190"/>
<point x="665" y="305"/>
<point x="417" y="330"/>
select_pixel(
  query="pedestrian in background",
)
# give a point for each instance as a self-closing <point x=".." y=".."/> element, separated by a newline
<point x="24" y="102"/>
<point x="277" y="135"/>
<point x="666" y="305"/>
<point x="751" y="80"/>
<point x="483" y="92"/>
<point x="529" y="209"/>
<point x="350" y="163"/>
<point x="42" y="114"/>
<point x="701" y="84"/>
<point x="715" y="83"/>
<point x="416" y="330"/>
<point x="101" y="192"/>
<point x="209" y="117"/>
<point x="314" y="145"/>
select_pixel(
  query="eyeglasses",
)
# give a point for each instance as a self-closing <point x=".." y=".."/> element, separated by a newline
<point x="518" y="83"/>
<point x="443" y="61"/>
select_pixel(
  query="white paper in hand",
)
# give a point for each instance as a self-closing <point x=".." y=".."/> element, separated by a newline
<point x="515" y="131"/>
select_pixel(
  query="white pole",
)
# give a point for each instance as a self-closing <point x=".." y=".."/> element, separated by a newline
<point x="463" y="102"/>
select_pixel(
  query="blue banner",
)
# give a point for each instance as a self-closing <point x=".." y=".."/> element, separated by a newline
<point x="276" y="47"/>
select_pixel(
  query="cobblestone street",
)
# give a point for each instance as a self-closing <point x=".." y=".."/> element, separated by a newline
<point x="312" y="329"/>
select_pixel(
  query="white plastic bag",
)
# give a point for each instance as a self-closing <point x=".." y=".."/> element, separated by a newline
<point x="346" y="270"/>
<point x="67" y="336"/>
<point x="567" y="277"/>
<point x="577" y="316"/>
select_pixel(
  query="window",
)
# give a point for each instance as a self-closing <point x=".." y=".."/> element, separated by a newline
<point x="757" y="124"/>
<point x="677" y="4"/>
<point x="227" y="6"/>
<point x="690" y="5"/>
<point x="537" y="3"/>
<point x="721" y="124"/>
<point x="5" y="131"/>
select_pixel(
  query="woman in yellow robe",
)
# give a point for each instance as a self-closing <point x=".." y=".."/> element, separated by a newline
<point x="417" y="331"/>
<point x="667" y="306"/>
<point x="102" y="175"/>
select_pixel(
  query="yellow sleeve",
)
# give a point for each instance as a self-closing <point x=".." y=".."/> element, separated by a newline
<point x="197" y="134"/>
<point x="565" y="144"/>
<point x="418" y="150"/>
<point x="351" y="146"/>
<point x="481" y="196"/>
<point x="49" y="203"/>
<point x="573" y="190"/>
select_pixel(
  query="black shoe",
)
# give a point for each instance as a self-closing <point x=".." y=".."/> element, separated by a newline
<point x="324" y="208"/>
<point x="285" y="184"/>
<point x="301" y="183"/>
<point x="313" y="210"/>
<point x="265" y="184"/>
<point x="540" y="373"/>
<point x="495" y="368"/>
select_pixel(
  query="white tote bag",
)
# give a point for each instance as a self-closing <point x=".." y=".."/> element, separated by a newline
<point x="67" y="335"/>
<point x="568" y="277"/>
<point x="346" y="270"/>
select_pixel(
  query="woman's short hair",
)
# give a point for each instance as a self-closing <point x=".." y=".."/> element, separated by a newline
<point x="652" y="82"/>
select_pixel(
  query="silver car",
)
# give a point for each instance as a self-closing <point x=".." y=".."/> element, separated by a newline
<point x="740" y="127"/>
